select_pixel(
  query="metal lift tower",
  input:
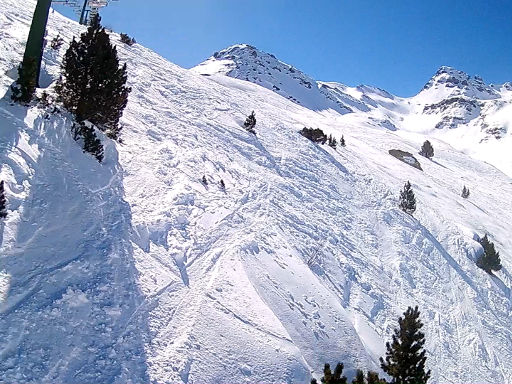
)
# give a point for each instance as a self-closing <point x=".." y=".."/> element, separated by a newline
<point x="35" y="43"/>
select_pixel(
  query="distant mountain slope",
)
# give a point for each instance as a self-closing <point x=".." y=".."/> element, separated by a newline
<point x="451" y="99"/>
<point x="136" y="271"/>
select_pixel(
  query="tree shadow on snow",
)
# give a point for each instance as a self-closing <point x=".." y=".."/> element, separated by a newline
<point x="72" y="313"/>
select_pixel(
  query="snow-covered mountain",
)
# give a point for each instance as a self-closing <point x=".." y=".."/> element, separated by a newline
<point x="450" y="99"/>
<point x="134" y="271"/>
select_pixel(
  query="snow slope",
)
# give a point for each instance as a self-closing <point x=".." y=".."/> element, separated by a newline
<point x="134" y="271"/>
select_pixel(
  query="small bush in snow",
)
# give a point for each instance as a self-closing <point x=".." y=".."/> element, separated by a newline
<point x="57" y="43"/>
<point x="46" y="100"/>
<point x="407" y="201"/>
<point x="315" y="135"/>
<point x="3" y="201"/>
<point x="204" y="181"/>
<point x="465" y="192"/>
<point x="490" y="260"/>
<point x="250" y="123"/>
<point x="332" y="142"/>
<point x="91" y="143"/>
<point x="427" y="150"/>
<point x="127" y="39"/>
<point x="330" y="377"/>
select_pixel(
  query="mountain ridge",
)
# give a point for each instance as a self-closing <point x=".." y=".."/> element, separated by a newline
<point x="455" y="107"/>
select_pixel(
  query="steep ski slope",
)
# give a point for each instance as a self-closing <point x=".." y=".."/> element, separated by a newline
<point x="303" y="259"/>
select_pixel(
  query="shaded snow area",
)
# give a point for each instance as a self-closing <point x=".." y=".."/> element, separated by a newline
<point x="134" y="271"/>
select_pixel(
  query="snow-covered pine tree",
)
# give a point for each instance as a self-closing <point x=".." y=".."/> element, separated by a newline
<point x="93" y="85"/>
<point x="222" y="185"/>
<point x="465" y="192"/>
<point x="3" y="201"/>
<point x="342" y="141"/>
<point x="427" y="150"/>
<point x="250" y="122"/>
<point x="405" y="356"/>
<point x="204" y="181"/>
<point x="490" y="260"/>
<point x="332" y="377"/>
<point x="407" y="201"/>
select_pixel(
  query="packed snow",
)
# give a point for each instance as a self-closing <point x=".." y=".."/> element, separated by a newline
<point x="134" y="271"/>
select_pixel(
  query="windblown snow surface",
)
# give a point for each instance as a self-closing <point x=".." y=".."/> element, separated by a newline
<point x="133" y="271"/>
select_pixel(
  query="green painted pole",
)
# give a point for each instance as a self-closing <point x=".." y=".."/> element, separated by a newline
<point x="35" y="42"/>
<point x="82" y="16"/>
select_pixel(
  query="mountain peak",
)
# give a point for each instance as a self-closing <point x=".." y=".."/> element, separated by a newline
<point x="450" y="82"/>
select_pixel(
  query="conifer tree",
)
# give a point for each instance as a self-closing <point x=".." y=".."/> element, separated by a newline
<point x="490" y="260"/>
<point x="407" y="199"/>
<point x="332" y="142"/>
<point x="359" y="379"/>
<point x="427" y="150"/>
<point x="91" y="143"/>
<point x="332" y="377"/>
<point x="342" y="141"/>
<point x="222" y="185"/>
<point x="370" y="378"/>
<point x="204" y="181"/>
<point x="465" y="192"/>
<point x="405" y="356"/>
<point x="3" y="201"/>
<point x="250" y="123"/>
<point x="93" y="85"/>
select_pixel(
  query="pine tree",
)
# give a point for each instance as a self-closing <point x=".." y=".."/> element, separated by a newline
<point x="490" y="260"/>
<point x="465" y="192"/>
<point x="342" y="141"/>
<point x="3" y="201"/>
<point x="407" y="199"/>
<point x="204" y="181"/>
<point x="427" y="150"/>
<point x="359" y="379"/>
<point x="250" y="123"/>
<point x="332" y="377"/>
<point x="405" y="356"/>
<point x="92" y="85"/>
<point x="222" y="185"/>
<point x="332" y="142"/>
<point x="22" y="91"/>
<point x="371" y="378"/>
<point x="91" y="143"/>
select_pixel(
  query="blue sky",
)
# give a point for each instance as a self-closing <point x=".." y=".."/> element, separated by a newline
<point x="393" y="44"/>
